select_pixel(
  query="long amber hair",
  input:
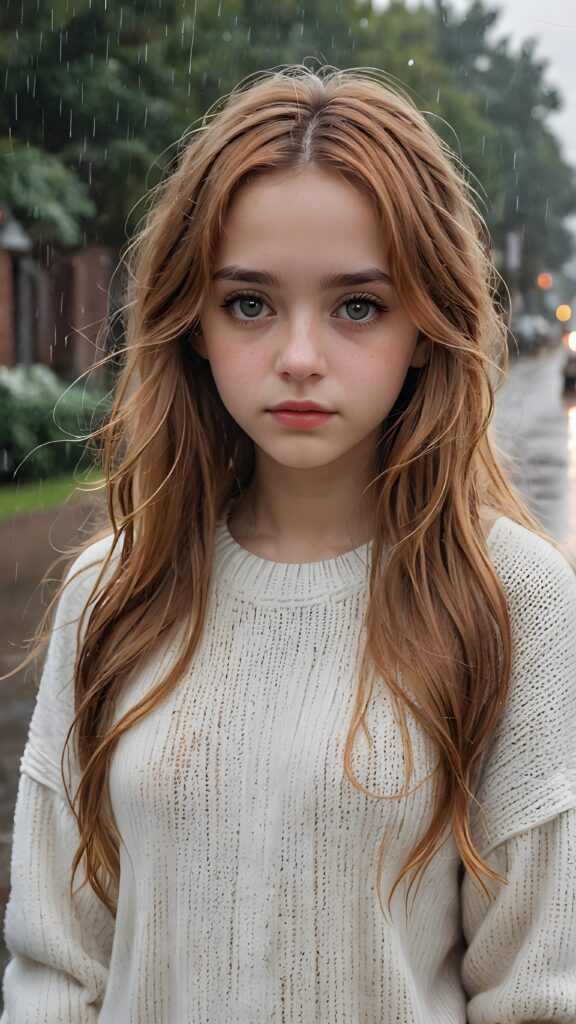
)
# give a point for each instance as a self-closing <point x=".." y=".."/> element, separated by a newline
<point x="437" y="627"/>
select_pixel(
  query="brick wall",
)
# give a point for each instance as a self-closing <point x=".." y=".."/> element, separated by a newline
<point x="71" y="302"/>
<point x="91" y="273"/>
<point x="7" y="327"/>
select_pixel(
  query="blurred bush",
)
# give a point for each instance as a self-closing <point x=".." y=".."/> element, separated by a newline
<point x="44" y="423"/>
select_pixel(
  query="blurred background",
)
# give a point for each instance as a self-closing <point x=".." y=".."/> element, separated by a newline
<point x="97" y="96"/>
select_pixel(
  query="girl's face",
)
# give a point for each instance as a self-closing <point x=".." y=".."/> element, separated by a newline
<point x="278" y="326"/>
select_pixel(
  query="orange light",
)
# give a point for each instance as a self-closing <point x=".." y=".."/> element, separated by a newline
<point x="545" y="280"/>
<point x="563" y="313"/>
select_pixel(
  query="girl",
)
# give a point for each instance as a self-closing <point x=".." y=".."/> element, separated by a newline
<point x="314" y="696"/>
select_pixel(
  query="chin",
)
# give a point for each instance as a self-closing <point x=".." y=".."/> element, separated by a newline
<point x="306" y="460"/>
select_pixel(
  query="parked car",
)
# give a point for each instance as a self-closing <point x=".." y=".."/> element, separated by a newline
<point x="531" y="332"/>
<point x="569" y="367"/>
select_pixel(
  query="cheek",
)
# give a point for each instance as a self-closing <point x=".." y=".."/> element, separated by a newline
<point x="380" y="376"/>
<point x="236" y="373"/>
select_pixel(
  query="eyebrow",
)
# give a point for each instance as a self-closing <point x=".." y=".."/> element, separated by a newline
<point x="368" y="275"/>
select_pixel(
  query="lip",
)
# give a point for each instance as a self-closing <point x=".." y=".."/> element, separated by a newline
<point x="309" y="420"/>
<point x="299" y="407"/>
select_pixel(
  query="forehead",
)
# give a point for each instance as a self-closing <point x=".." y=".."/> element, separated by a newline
<point x="314" y="212"/>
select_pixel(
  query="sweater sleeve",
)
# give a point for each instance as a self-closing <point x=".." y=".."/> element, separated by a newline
<point x="519" y="963"/>
<point x="60" y="945"/>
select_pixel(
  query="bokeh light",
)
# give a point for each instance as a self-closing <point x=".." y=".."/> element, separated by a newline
<point x="545" y="280"/>
<point x="563" y="313"/>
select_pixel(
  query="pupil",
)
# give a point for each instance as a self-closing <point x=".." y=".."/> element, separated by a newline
<point x="249" y="303"/>
<point x="358" y="313"/>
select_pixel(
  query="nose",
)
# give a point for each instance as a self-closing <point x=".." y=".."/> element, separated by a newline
<point x="301" y="349"/>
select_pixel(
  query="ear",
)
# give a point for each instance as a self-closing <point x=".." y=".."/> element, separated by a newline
<point x="197" y="340"/>
<point x="421" y="352"/>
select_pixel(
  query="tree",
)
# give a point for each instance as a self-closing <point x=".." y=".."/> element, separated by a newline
<point x="536" y="188"/>
<point x="98" y="79"/>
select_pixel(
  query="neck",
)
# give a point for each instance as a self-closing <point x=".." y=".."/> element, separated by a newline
<point x="303" y="514"/>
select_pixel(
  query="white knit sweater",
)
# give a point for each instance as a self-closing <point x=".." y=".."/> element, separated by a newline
<point x="247" y="890"/>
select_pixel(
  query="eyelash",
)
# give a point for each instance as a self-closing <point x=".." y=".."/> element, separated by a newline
<point x="358" y="297"/>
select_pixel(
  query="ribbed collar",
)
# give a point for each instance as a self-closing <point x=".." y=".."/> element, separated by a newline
<point x="259" y="578"/>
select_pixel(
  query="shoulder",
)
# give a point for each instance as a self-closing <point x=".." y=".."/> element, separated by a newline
<point x="533" y="572"/>
<point x="529" y="774"/>
<point x="55" y="702"/>
<point x="540" y="587"/>
<point x="92" y="558"/>
<point x="91" y="565"/>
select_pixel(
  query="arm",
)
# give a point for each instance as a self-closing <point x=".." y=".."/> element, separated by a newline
<point x="520" y="963"/>
<point x="60" y="945"/>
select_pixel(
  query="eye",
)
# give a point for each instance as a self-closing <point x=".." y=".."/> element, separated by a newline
<point x="358" y="306"/>
<point x="249" y="303"/>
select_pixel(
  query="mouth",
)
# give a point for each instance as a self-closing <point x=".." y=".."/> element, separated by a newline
<point x="300" y="407"/>
<point x="302" y="419"/>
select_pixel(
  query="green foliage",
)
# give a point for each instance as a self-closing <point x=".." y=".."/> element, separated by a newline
<point x="89" y="86"/>
<point x="44" y="194"/>
<point x="44" y="423"/>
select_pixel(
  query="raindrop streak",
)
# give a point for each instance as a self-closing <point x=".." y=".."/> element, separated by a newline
<point x="192" y="41"/>
<point x="546" y="212"/>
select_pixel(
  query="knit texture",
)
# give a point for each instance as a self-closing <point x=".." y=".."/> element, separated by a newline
<point x="248" y="865"/>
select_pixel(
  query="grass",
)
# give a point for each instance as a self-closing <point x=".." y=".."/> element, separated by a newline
<point x="20" y="499"/>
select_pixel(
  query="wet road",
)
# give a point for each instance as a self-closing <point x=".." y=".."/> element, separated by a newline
<point x="534" y="426"/>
